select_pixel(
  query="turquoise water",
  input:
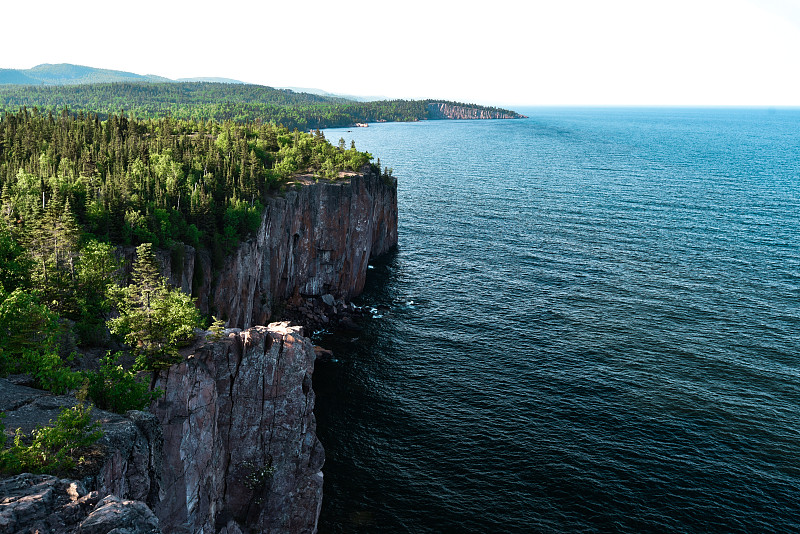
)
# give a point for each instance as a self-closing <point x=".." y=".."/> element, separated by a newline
<point x="594" y="326"/>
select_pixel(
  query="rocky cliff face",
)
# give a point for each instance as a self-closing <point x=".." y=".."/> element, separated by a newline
<point x="441" y="110"/>
<point x="240" y="448"/>
<point x="311" y="242"/>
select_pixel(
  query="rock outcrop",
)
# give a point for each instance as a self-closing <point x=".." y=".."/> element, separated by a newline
<point x="443" y="110"/>
<point x="124" y="481"/>
<point x="48" y="505"/>
<point x="313" y="241"/>
<point x="240" y="448"/>
<point x="131" y="443"/>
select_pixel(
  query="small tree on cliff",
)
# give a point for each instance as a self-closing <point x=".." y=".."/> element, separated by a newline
<point x="154" y="318"/>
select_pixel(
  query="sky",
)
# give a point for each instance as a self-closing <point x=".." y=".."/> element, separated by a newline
<point x="501" y="52"/>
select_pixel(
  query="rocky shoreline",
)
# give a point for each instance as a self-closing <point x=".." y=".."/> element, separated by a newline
<point x="231" y="446"/>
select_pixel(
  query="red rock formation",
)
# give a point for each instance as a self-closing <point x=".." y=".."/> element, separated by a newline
<point x="442" y="110"/>
<point x="239" y="436"/>
<point x="314" y="241"/>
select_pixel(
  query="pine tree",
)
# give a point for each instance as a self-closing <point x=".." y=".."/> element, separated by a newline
<point x="154" y="318"/>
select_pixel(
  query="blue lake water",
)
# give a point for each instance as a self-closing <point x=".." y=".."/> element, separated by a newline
<point x="594" y="326"/>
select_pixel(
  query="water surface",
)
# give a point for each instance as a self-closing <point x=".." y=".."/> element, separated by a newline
<point x="594" y="326"/>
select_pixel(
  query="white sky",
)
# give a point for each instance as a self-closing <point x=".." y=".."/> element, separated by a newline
<point x="503" y="52"/>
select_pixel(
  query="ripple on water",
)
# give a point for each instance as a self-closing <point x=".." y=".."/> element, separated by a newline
<point x="593" y="327"/>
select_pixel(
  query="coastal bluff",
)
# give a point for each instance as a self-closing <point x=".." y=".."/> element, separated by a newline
<point x="240" y="448"/>
<point x="312" y="241"/>
<point x="448" y="110"/>
<point x="231" y="445"/>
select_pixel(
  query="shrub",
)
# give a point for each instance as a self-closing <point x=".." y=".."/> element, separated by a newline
<point x="50" y="371"/>
<point x="55" y="448"/>
<point x="153" y="317"/>
<point x="115" y="389"/>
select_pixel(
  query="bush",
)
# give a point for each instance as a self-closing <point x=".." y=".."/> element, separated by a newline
<point x="50" y="371"/>
<point x="25" y="324"/>
<point x="56" y="448"/>
<point x="115" y="389"/>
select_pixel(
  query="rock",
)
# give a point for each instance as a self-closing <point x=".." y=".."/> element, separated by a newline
<point x="442" y="110"/>
<point x="132" y="469"/>
<point x="130" y="461"/>
<point x="314" y="241"/>
<point x="49" y="505"/>
<point x="328" y="299"/>
<point x="24" y="379"/>
<point x="239" y="436"/>
<point x="322" y="353"/>
<point x="231" y="528"/>
<point x="113" y="514"/>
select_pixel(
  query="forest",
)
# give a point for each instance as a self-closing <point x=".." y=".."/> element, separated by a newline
<point x="74" y="187"/>
<point x="160" y="181"/>
<point x="216" y="101"/>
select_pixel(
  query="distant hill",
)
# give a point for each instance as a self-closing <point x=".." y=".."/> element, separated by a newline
<point x="53" y="88"/>
<point x="315" y="91"/>
<point x="68" y="74"/>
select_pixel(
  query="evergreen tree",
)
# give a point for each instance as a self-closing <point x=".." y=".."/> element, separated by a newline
<point x="154" y="317"/>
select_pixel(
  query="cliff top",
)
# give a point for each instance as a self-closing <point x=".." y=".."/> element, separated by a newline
<point x="309" y="178"/>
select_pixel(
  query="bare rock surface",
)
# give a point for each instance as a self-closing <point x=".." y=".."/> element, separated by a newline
<point x="444" y="110"/>
<point x="312" y="242"/>
<point x="45" y="504"/>
<point x="130" y="450"/>
<point x="240" y="447"/>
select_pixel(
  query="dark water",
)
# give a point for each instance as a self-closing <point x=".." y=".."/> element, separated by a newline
<point x="594" y="327"/>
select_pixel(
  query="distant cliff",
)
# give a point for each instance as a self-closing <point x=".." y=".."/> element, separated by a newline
<point x="447" y="110"/>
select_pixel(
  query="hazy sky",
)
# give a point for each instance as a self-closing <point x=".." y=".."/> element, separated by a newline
<point x="502" y="52"/>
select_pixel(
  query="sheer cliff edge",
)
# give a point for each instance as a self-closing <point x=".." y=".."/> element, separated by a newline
<point x="312" y="241"/>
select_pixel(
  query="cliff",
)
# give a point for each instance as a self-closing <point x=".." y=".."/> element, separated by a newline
<point x="231" y="447"/>
<point x="313" y="241"/>
<point x="444" y="110"/>
<point x="240" y="448"/>
<point x="236" y="421"/>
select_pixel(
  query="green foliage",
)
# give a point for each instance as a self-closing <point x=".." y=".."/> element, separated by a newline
<point x="56" y="448"/>
<point x="25" y="325"/>
<point x="15" y="264"/>
<point x="217" y="329"/>
<point x="49" y="370"/>
<point x="130" y="181"/>
<point x="96" y="270"/>
<point x="257" y="476"/>
<point x="116" y="389"/>
<point x="222" y="102"/>
<point x="153" y="317"/>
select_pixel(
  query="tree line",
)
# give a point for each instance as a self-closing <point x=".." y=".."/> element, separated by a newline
<point x="218" y="102"/>
<point x="161" y="181"/>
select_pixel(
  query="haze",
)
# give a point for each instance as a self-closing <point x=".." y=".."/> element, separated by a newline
<point x="571" y="52"/>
